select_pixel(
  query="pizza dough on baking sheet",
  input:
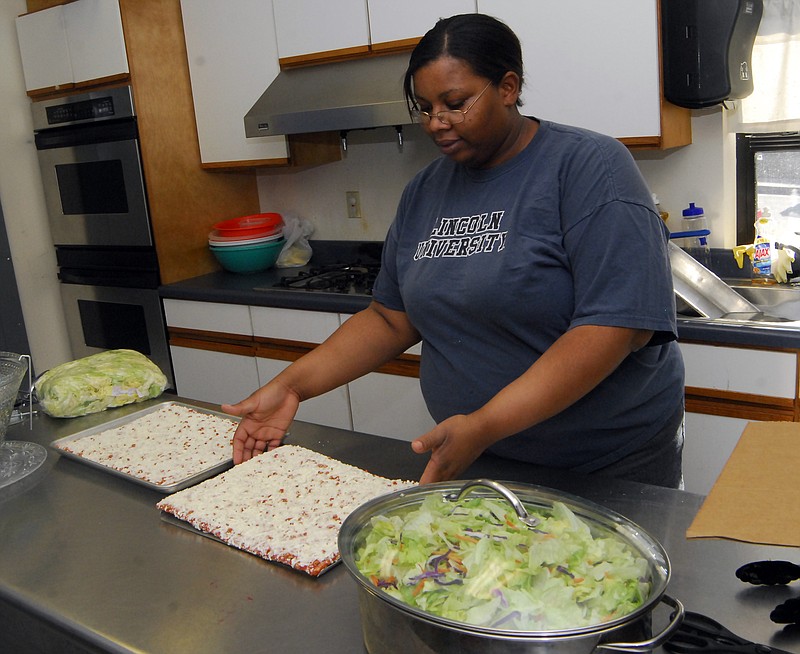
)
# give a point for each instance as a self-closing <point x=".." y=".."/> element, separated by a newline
<point x="166" y="447"/>
<point x="285" y="505"/>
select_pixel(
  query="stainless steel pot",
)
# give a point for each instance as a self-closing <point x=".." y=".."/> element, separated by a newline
<point x="392" y="627"/>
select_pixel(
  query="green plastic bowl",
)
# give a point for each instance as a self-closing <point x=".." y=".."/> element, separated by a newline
<point x="245" y="259"/>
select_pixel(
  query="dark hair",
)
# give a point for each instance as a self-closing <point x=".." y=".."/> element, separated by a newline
<point x="486" y="44"/>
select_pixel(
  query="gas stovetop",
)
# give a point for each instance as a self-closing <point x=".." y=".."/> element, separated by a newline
<point x="349" y="279"/>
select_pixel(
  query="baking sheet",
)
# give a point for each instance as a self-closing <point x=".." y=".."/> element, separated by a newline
<point x="177" y="522"/>
<point x="185" y="482"/>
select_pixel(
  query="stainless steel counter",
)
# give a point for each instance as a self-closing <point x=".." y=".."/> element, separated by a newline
<point x="87" y="563"/>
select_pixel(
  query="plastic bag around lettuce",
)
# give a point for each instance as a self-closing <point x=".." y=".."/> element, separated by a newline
<point x="97" y="382"/>
<point x="296" y="251"/>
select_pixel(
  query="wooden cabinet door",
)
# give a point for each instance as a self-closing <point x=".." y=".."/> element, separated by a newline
<point x="587" y="63"/>
<point x="232" y="58"/>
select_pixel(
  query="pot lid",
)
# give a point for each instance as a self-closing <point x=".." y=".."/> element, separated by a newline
<point x="510" y="560"/>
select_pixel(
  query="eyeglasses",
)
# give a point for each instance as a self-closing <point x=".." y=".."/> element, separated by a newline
<point x="448" y="117"/>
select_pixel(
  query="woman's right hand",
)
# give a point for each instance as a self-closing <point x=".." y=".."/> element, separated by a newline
<point x="266" y="416"/>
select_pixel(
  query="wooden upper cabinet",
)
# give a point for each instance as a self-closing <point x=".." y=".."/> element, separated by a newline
<point x="72" y="46"/>
<point x="595" y="65"/>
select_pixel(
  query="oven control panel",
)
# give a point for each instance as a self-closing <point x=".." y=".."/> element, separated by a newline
<point x="83" y="108"/>
<point x="72" y="112"/>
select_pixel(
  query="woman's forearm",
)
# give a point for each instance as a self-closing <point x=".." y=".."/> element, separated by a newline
<point x="364" y="342"/>
<point x="574" y="365"/>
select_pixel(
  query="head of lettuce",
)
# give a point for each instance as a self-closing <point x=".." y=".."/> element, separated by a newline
<point x="97" y="382"/>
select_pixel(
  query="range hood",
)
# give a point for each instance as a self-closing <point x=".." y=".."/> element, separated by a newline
<point x="356" y="94"/>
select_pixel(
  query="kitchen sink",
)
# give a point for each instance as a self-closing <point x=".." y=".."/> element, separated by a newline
<point x="774" y="303"/>
<point x="777" y="300"/>
<point x="703" y="296"/>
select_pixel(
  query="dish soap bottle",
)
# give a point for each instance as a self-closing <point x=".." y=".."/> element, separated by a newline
<point x="762" y="250"/>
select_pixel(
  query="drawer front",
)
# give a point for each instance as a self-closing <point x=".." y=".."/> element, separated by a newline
<point x="208" y="316"/>
<point x="757" y="372"/>
<point x="293" y="324"/>
<point x="213" y="377"/>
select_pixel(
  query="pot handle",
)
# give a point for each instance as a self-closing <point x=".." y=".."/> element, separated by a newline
<point x="656" y="641"/>
<point x="512" y="499"/>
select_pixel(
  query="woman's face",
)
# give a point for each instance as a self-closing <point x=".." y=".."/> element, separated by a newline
<point x="482" y="140"/>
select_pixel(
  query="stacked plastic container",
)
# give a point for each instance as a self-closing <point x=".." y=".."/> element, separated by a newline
<point x="248" y="244"/>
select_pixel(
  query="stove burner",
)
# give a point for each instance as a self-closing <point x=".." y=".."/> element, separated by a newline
<point x="338" y="278"/>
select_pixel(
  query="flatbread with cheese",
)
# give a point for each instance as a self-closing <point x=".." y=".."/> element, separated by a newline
<point x="286" y="505"/>
<point x="171" y="444"/>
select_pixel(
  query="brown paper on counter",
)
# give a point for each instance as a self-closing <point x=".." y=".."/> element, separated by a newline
<point x="756" y="498"/>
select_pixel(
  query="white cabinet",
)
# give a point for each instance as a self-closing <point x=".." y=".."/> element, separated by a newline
<point x="709" y="443"/>
<point x="389" y="23"/>
<point x="389" y="405"/>
<point x="208" y="316"/>
<point x="282" y="325"/>
<point x="95" y="38"/>
<point x="304" y="27"/>
<point x="587" y="63"/>
<point x="232" y="59"/>
<point x="318" y="30"/>
<point x="293" y="324"/>
<point x="201" y="371"/>
<point x="210" y="376"/>
<point x="759" y="372"/>
<point x="43" y="46"/>
<point x="726" y="387"/>
<point x="74" y="43"/>
<point x="223" y="352"/>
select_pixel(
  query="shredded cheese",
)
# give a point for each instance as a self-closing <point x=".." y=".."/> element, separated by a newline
<point x="164" y="447"/>
<point x="286" y="505"/>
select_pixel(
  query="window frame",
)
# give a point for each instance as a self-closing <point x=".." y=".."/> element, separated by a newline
<point x="747" y="144"/>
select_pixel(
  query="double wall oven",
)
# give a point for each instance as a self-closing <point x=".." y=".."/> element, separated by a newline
<point x="96" y="198"/>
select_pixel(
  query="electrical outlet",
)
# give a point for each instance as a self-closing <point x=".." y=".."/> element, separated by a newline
<point x="353" y="204"/>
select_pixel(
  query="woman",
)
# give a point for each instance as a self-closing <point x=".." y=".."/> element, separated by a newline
<point x="532" y="265"/>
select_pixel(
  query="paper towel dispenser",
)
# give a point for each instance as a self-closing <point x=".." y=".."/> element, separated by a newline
<point x="706" y="50"/>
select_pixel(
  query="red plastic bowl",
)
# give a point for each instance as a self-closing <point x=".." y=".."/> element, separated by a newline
<point x="257" y="225"/>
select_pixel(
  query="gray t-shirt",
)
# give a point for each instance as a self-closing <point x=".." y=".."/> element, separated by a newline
<point x="492" y="266"/>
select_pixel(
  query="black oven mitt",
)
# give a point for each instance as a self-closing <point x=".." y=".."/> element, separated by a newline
<point x="774" y="573"/>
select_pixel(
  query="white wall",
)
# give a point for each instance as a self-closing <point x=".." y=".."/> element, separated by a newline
<point x="23" y="205"/>
<point x="373" y="165"/>
<point x="703" y="172"/>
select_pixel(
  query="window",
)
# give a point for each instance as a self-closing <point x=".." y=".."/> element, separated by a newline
<point x="768" y="184"/>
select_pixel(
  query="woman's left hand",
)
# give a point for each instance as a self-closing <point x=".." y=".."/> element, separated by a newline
<point x="454" y="444"/>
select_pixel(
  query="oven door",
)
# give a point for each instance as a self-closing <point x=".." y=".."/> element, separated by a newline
<point x="108" y="317"/>
<point x="93" y="185"/>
